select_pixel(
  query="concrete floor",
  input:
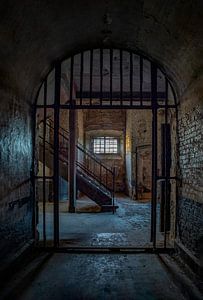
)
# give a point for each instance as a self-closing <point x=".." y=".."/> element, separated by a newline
<point x="102" y="276"/>
<point x="128" y="227"/>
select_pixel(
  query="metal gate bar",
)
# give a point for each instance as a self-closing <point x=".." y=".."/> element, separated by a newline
<point x="81" y="76"/>
<point x="107" y="100"/>
<point x="165" y="162"/>
<point x="44" y="162"/>
<point x="154" y="153"/>
<point x="131" y="79"/>
<point x="141" y="80"/>
<point x="101" y="76"/>
<point x="56" y="153"/>
<point x="121" y="77"/>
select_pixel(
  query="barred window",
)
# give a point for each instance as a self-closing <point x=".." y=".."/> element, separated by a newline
<point x="105" y="145"/>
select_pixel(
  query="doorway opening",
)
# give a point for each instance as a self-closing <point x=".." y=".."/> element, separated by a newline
<point x="105" y="153"/>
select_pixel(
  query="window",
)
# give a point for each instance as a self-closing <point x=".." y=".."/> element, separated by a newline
<point x="105" y="145"/>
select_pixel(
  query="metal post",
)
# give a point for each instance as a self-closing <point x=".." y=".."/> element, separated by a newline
<point x="154" y="152"/>
<point x="56" y="153"/>
<point x="121" y="77"/>
<point x="33" y="178"/>
<point x="136" y="175"/>
<point x="141" y="80"/>
<point x="44" y="162"/>
<point x="72" y="146"/>
<point x="113" y="194"/>
<point x="111" y="75"/>
<point x="165" y="163"/>
<point x="131" y="79"/>
<point x="101" y="76"/>
<point x="81" y="78"/>
<point x="91" y="69"/>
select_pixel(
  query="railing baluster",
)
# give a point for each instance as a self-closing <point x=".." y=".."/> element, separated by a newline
<point x="92" y="166"/>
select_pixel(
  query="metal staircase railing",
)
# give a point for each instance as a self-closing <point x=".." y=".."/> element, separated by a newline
<point x="88" y="164"/>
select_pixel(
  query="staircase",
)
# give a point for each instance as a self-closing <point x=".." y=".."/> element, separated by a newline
<point x="93" y="178"/>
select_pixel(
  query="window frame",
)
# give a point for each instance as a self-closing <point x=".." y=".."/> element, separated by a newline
<point x="105" y="138"/>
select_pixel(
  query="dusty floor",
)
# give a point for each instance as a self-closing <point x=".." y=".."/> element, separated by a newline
<point x="129" y="226"/>
<point x="102" y="276"/>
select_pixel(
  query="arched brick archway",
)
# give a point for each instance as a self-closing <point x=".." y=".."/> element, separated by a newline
<point x="35" y="34"/>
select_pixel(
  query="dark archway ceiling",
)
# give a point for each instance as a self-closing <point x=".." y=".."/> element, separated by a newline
<point x="34" y="33"/>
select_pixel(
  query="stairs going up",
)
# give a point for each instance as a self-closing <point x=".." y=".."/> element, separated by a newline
<point x="93" y="178"/>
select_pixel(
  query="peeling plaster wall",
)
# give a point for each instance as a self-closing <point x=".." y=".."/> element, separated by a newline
<point x="16" y="203"/>
<point x="108" y="123"/>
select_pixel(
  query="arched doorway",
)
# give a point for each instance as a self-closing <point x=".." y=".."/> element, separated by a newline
<point x="107" y="79"/>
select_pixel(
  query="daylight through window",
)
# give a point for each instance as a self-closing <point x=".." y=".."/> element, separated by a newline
<point x="105" y="145"/>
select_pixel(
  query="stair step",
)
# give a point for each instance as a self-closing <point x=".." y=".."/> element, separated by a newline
<point x="107" y="208"/>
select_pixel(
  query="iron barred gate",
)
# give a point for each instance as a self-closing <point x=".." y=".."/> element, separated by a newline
<point x="106" y="79"/>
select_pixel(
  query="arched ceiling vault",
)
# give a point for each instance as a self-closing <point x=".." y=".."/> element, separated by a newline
<point x="35" y="33"/>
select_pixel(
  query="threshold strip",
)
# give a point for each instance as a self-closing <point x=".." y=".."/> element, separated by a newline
<point x="128" y="250"/>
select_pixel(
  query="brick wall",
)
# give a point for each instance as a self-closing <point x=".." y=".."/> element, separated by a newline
<point x="190" y="199"/>
<point x="190" y="224"/>
<point x="15" y="166"/>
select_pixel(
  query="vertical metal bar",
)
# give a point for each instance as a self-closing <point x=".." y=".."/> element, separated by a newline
<point x="72" y="160"/>
<point x="166" y="165"/>
<point x="141" y="80"/>
<point x="101" y="76"/>
<point x="177" y="147"/>
<point x="111" y="75"/>
<point x="131" y="78"/>
<point x="56" y="153"/>
<point x="136" y="173"/>
<point x="71" y="81"/>
<point x="72" y="146"/>
<point x="44" y="162"/>
<point x="91" y="67"/>
<point x="100" y="178"/>
<point x="81" y="77"/>
<point x="33" y="178"/>
<point x="113" y="194"/>
<point x="154" y="152"/>
<point x="121" y="77"/>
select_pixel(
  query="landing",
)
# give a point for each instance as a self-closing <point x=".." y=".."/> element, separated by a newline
<point x="129" y="227"/>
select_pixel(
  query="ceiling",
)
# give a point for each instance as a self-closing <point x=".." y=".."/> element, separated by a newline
<point x="35" y="33"/>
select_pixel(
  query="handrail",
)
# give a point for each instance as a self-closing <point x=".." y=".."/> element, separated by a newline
<point x="93" y="167"/>
<point x="82" y="167"/>
<point x="81" y="147"/>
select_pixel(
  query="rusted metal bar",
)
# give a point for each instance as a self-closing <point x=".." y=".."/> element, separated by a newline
<point x="111" y="75"/>
<point x="44" y="164"/>
<point x="91" y="68"/>
<point x="113" y="193"/>
<point x="101" y="76"/>
<point x="131" y="78"/>
<point x="72" y="104"/>
<point x="72" y="146"/>
<point x="81" y="76"/>
<point x="154" y="153"/>
<point x="33" y="176"/>
<point x="136" y="173"/>
<point x="121" y="77"/>
<point x="56" y="153"/>
<point x="141" y="80"/>
<point x="165" y="167"/>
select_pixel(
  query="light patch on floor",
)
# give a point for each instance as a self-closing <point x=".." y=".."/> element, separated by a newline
<point x="129" y="227"/>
